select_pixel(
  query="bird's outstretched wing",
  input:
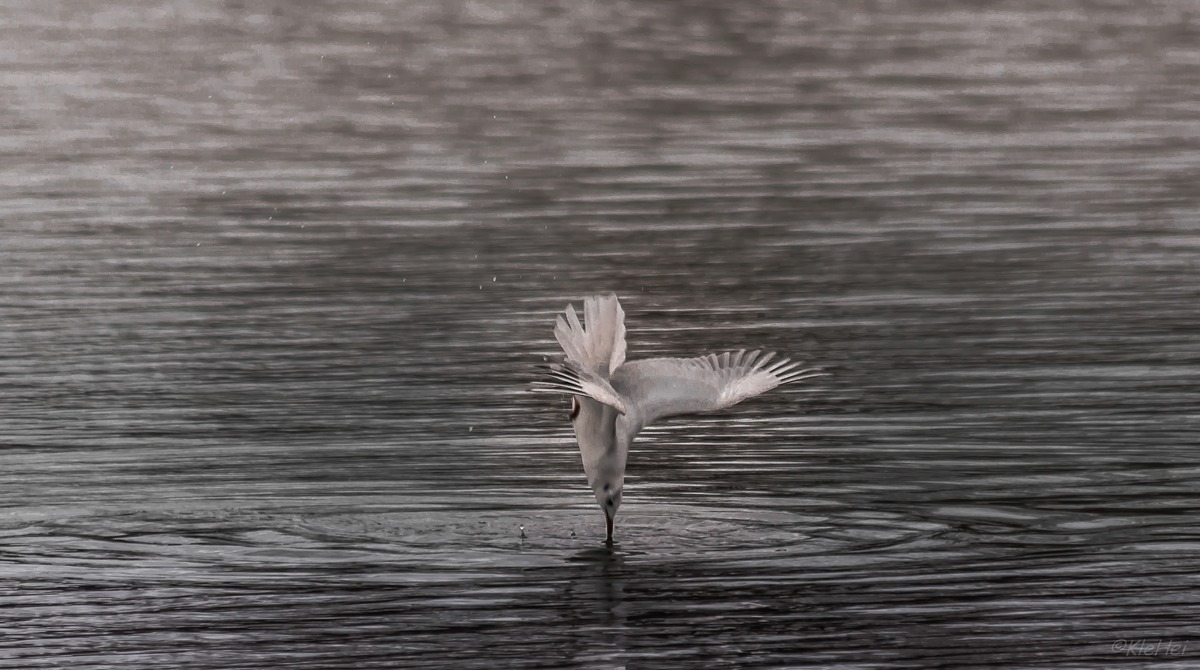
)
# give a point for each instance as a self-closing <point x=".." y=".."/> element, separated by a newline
<point x="573" y="379"/>
<point x="661" y="387"/>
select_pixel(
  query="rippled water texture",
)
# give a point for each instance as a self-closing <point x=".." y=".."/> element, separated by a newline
<point x="275" y="275"/>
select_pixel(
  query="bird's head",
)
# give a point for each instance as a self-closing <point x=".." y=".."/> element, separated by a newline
<point x="608" y="494"/>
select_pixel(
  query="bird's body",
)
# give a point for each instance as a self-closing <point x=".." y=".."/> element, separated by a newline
<point x="612" y="400"/>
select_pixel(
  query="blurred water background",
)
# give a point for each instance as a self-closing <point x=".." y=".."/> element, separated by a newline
<point x="274" y="276"/>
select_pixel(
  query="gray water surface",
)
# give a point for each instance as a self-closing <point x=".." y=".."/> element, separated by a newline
<point x="274" y="278"/>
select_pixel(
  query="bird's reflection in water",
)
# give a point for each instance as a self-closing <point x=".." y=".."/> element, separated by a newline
<point x="594" y="597"/>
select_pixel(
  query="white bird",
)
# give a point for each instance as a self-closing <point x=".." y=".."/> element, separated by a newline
<point x="612" y="400"/>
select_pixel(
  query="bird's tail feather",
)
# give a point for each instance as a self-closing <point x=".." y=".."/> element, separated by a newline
<point x="600" y="347"/>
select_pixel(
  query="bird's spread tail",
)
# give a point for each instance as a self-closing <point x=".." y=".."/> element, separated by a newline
<point x="600" y="348"/>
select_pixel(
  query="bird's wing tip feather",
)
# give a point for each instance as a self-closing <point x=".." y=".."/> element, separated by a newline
<point x="571" y="378"/>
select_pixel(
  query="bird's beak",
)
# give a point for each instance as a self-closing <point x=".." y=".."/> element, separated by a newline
<point x="608" y="521"/>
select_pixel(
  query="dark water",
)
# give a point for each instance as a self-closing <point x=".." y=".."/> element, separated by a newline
<point x="274" y="277"/>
